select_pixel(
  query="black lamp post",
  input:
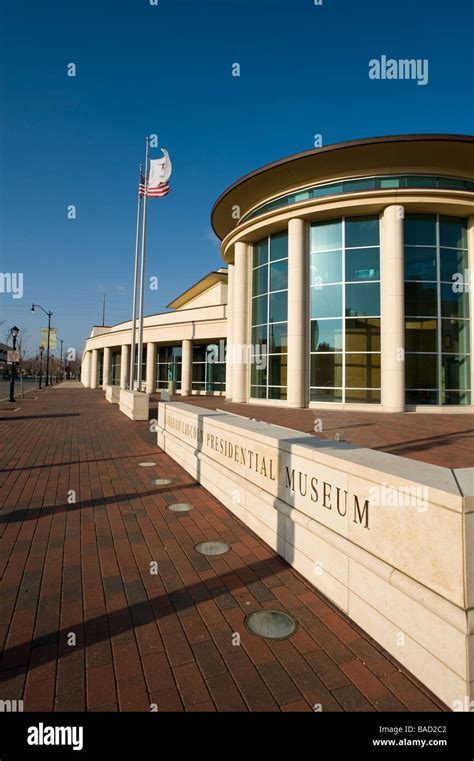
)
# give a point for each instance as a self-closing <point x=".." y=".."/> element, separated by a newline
<point x="41" y="350"/>
<point x="61" y="372"/>
<point x="50" y="314"/>
<point x="51" y="370"/>
<point x="14" y="332"/>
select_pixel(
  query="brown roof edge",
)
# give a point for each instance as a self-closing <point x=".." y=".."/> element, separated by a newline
<point x="339" y="146"/>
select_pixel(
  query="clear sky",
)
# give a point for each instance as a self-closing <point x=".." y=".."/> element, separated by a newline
<point x="167" y="69"/>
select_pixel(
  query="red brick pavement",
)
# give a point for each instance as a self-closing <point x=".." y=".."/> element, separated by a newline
<point x="440" y="439"/>
<point x="85" y="625"/>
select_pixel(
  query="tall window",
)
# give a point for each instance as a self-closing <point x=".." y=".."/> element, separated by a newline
<point x="269" y="335"/>
<point x="168" y="366"/>
<point x="437" y="361"/>
<point x="116" y="361"/>
<point x="208" y="371"/>
<point x="345" y="311"/>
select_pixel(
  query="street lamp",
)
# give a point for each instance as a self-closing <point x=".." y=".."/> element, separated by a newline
<point x="61" y="341"/>
<point x="50" y="314"/>
<point x="41" y="350"/>
<point x="14" y="332"/>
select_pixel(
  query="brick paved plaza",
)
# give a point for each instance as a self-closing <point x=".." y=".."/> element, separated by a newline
<point x="83" y="568"/>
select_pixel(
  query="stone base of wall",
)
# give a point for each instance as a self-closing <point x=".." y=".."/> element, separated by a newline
<point x="388" y="540"/>
<point x="134" y="404"/>
<point x="112" y="394"/>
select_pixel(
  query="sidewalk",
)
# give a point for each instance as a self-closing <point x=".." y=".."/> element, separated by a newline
<point x="84" y="624"/>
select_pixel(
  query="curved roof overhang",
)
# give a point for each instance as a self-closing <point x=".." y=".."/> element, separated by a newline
<point x="444" y="154"/>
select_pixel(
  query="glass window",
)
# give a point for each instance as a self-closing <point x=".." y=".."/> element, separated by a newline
<point x="326" y="335"/>
<point x="326" y="236"/>
<point x="421" y="335"/>
<point x="260" y="280"/>
<point x="363" y="370"/>
<point x="424" y="396"/>
<point x="362" y="231"/>
<point x="420" y="230"/>
<point x="326" y="370"/>
<point x="454" y="262"/>
<point x="260" y="252"/>
<point x="420" y="263"/>
<point x="455" y="372"/>
<point x="362" y="299"/>
<point x="455" y="336"/>
<point x="278" y="337"/>
<point x="452" y="232"/>
<point x="421" y="371"/>
<point x="279" y="246"/>
<point x="258" y="373"/>
<point x="278" y="306"/>
<point x="365" y="396"/>
<point x="259" y="310"/>
<point x="259" y="337"/>
<point x="326" y="268"/>
<point x="421" y="299"/>
<point x="456" y="397"/>
<point x="362" y="264"/>
<point x="325" y="395"/>
<point x="269" y="318"/>
<point x="279" y="275"/>
<point x="453" y="304"/>
<point x="276" y="392"/>
<point x="326" y="301"/>
<point x="277" y="369"/>
<point x="363" y="335"/>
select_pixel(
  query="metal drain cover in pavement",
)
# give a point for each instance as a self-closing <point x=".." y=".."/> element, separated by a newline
<point x="180" y="507"/>
<point x="146" y="464"/>
<point x="160" y="481"/>
<point x="212" y="548"/>
<point x="271" y="624"/>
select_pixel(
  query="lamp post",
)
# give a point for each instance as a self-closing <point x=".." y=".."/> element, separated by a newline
<point x="41" y="350"/>
<point x="49" y="314"/>
<point x="14" y="332"/>
<point x="61" y="374"/>
<point x="51" y="364"/>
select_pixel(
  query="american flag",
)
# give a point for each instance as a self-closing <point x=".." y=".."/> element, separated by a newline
<point x="162" y="190"/>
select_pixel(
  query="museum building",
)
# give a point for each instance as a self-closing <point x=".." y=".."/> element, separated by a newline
<point x="348" y="284"/>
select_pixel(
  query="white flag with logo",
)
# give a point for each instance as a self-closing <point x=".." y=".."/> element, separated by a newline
<point x="158" y="178"/>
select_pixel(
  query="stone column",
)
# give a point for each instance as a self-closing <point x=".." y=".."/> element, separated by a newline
<point x="86" y="370"/>
<point x="106" y="367"/>
<point x="230" y="340"/>
<point x="124" y="369"/>
<point x="469" y="284"/>
<point x="240" y="323"/>
<point x="298" y="273"/>
<point x="392" y="293"/>
<point x="150" y="368"/>
<point x="186" y="367"/>
<point x="95" y="368"/>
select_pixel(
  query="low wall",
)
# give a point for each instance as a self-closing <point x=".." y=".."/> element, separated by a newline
<point x="387" y="539"/>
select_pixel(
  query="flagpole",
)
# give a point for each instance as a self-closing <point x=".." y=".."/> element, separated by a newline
<point x="142" y="275"/>
<point x="135" y="287"/>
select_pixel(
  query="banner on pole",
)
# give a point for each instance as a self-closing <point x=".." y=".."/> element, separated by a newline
<point x="52" y="338"/>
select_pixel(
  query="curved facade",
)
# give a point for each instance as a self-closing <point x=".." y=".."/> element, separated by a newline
<point x="349" y="276"/>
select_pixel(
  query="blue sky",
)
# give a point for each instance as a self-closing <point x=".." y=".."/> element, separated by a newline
<point x="167" y="69"/>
